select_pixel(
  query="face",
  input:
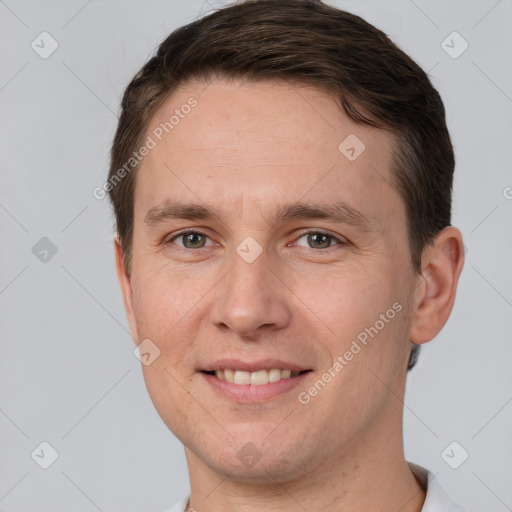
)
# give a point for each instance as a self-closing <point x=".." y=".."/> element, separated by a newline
<point x="266" y="236"/>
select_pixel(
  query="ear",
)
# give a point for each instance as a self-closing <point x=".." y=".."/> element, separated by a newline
<point x="126" y="289"/>
<point x="434" y="295"/>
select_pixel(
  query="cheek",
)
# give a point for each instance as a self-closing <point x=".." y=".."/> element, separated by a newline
<point x="166" y="309"/>
<point x="362" y="316"/>
<point x="345" y="299"/>
<point x="162" y="298"/>
<point x="168" y="392"/>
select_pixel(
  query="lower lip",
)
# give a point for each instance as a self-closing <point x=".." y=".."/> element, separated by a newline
<point x="251" y="393"/>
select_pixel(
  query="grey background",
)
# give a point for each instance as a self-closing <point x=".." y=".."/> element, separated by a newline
<point x="68" y="375"/>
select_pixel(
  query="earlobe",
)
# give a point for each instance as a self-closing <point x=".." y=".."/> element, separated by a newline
<point x="126" y="289"/>
<point x="442" y="263"/>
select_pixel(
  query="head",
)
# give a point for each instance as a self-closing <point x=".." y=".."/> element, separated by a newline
<point x="301" y="135"/>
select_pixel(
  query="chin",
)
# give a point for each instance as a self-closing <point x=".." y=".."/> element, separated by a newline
<point x="248" y="462"/>
<point x="264" y="471"/>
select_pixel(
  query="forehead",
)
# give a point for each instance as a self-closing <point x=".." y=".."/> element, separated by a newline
<point x="263" y="142"/>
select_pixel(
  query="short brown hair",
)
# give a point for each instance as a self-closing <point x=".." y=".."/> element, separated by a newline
<point x="304" y="42"/>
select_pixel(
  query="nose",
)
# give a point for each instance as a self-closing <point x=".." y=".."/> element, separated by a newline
<point x="252" y="299"/>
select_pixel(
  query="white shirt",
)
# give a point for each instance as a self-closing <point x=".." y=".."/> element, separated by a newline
<point x="436" y="499"/>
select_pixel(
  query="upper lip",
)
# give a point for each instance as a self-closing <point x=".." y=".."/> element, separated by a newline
<point x="252" y="366"/>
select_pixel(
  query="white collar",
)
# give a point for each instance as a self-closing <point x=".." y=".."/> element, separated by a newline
<point x="436" y="499"/>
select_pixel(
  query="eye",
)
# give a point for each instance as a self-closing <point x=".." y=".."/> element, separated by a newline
<point x="198" y="240"/>
<point x="320" y="240"/>
<point x="190" y="240"/>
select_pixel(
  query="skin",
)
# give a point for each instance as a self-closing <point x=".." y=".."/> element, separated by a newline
<point x="244" y="149"/>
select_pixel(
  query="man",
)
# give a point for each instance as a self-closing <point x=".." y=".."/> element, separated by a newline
<point x="281" y="179"/>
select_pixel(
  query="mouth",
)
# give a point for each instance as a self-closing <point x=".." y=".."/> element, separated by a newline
<point x="255" y="378"/>
<point x="251" y="383"/>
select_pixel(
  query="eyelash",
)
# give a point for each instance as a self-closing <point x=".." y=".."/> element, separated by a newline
<point x="315" y="232"/>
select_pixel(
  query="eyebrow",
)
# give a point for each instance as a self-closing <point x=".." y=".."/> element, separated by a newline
<point x="339" y="212"/>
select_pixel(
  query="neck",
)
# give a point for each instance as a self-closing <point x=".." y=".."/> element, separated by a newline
<point x="371" y="475"/>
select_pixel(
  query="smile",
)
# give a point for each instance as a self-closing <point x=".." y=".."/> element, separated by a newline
<point x="255" y="386"/>
<point x="256" y="378"/>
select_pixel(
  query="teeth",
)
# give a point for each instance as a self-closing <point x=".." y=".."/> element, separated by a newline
<point x="274" y="375"/>
<point x="242" y="378"/>
<point x="257" y="378"/>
